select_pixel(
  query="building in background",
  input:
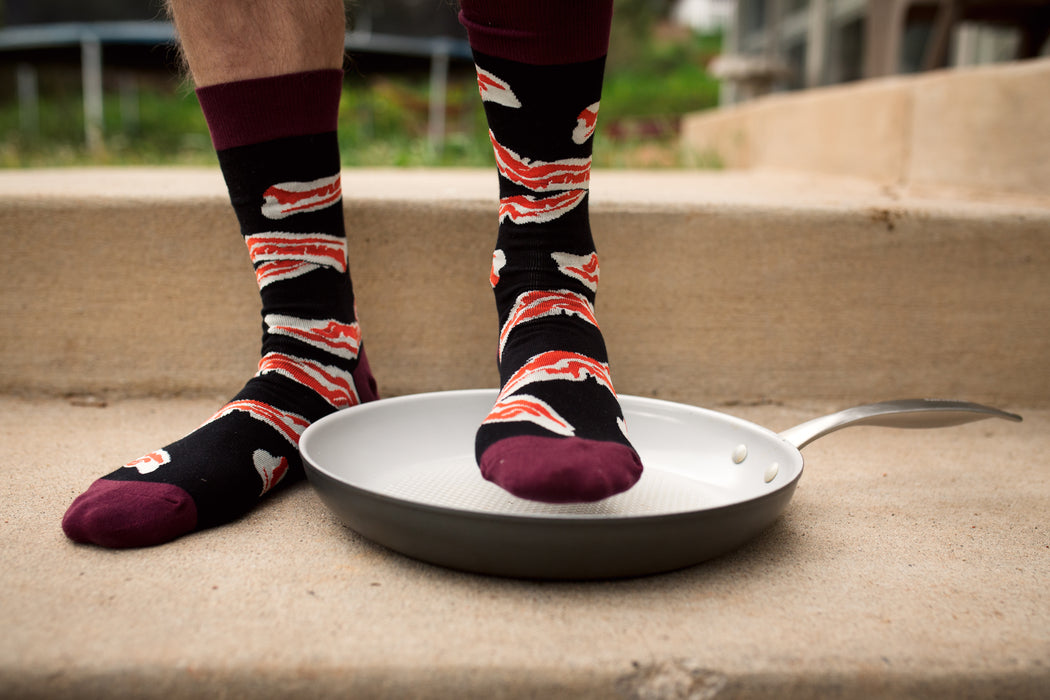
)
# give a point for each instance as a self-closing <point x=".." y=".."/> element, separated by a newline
<point x="792" y="44"/>
<point x="703" y="15"/>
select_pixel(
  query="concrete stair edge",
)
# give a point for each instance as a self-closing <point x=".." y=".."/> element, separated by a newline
<point x="716" y="286"/>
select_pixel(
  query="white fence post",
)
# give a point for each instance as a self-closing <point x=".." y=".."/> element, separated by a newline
<point x="439" y="60"/>
<point x="28" y="98"/>
<point x="91" y="78"/>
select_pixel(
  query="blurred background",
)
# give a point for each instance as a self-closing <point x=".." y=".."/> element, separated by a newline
<point x="98" y="81"/>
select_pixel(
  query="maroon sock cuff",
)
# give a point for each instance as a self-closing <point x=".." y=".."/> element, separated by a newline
<point x="262" y="109"/>
<point x="540" y="32"/>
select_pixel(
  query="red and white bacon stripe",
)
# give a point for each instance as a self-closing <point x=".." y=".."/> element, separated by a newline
<point x="541" y="304"/>
<point x="332" y="336"/>
<point x="150" y="463"/>
<point x="271" y="468"/>
<point x="583" y="268"/>
<point x="558" y="365"/>
<point x="538" y="176"/>
<point x="289" y="425"/>
<point x="287" y="198"/>
<point x="279" y="256"/>
<point x="585" y="124"/>
<point x="526" y="209"/>
<point x="495" y="90"/>
<point x="529" y="408"/>
<point x="334" y="385"/>
<point x="544" y="367"/>
<point x="499" y="261"/>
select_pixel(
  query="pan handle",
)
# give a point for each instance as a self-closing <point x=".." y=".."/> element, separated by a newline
<point x="903" y="413"/>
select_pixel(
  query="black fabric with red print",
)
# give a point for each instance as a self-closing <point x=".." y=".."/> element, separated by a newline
<point x="287" y="198"/>
<point x="553" y="360"/>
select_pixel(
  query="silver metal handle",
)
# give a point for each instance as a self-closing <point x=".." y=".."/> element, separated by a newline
<point x="903" y="413"/>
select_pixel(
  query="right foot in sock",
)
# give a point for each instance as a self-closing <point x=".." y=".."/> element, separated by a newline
<point x="556" y="433"/>
<point x="286" y="193"/>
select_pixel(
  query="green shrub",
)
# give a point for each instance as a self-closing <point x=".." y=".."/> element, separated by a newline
<point x="383" y="119"/>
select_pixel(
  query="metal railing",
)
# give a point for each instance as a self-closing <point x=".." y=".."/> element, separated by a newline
<point x="92" y="36"/>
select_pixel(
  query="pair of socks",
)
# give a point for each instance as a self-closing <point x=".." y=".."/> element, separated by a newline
<point x="556" y="432"/>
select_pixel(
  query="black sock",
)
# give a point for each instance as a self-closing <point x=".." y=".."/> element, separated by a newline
<point x="556" y="433"/>
<point x="287" y="197"/>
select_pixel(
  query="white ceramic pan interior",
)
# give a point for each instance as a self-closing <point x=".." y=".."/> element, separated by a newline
<point x="401" y="472"/>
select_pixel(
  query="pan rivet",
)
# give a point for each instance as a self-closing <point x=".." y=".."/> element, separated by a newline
<point x="771" y="472"/>
<point x="740" y="454"/>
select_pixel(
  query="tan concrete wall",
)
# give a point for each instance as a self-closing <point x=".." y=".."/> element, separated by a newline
<point x="975" y="130"/>
<point x="155" y="297"/>
<point x="715" y="288"/>
<point x="722" y="137"/>
<point x="983" y="129"/>
<point x="161" y="298"/>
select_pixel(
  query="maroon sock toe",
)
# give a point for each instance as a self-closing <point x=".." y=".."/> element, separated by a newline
<point x="367" y="389"/>
<point x="561" y="470"/>
<point x="129" y="514"/>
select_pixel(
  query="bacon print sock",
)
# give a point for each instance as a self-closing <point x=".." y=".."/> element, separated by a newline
<point x="278" y="153"/>
<point x="556" y="432"/>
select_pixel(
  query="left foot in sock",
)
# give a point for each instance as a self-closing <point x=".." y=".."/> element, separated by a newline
<point x="284" y="183"/>
<point x="556" y="433"/>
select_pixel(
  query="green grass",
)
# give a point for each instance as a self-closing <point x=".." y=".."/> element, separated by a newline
<point x="383" y="120"/>
<point x="663" y="77"/>
<point x="170" y="130"/>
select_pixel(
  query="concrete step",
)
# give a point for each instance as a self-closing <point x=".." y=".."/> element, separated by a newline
<point x="973" y="130"/>
<point x="909" y="564"/>
<point x="716" y="287"/>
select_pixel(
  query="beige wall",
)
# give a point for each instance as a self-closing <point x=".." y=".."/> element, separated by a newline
<point x="716" y="287"/>
<point x="983" y="129"/>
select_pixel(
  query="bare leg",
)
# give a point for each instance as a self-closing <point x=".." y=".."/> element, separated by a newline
<point x="227" y="40"/>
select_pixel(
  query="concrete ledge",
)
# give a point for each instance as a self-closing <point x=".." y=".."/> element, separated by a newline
<point x="978" y="130"/>
<point x="725" y="286"/>
<point x="909" y="564"/>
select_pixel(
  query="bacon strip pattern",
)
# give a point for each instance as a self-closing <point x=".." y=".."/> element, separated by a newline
<point x="547" y="366"/>
<point x="526" y="209"/>
<point x="529" y="408"/>
<point x="558" y="365"/>
<point x="583" y="268"/>
<point x="499" y="260"/>
<point x="289" y="425"/>
<point x="150" y="462"/>
<point x="585" y="124"/>
<point x="530" y="306"/>
<point x="271" y="468"/>
<point x="287" y="198"/>
<point x="539" y="176"/>
<point x="334" y="385"/>
<point x="332" y="336"/>
<point x="279" y="256"/>
<point x="495" y="90"/>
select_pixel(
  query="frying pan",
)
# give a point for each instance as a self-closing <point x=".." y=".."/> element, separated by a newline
<point x="401" y="472"/>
